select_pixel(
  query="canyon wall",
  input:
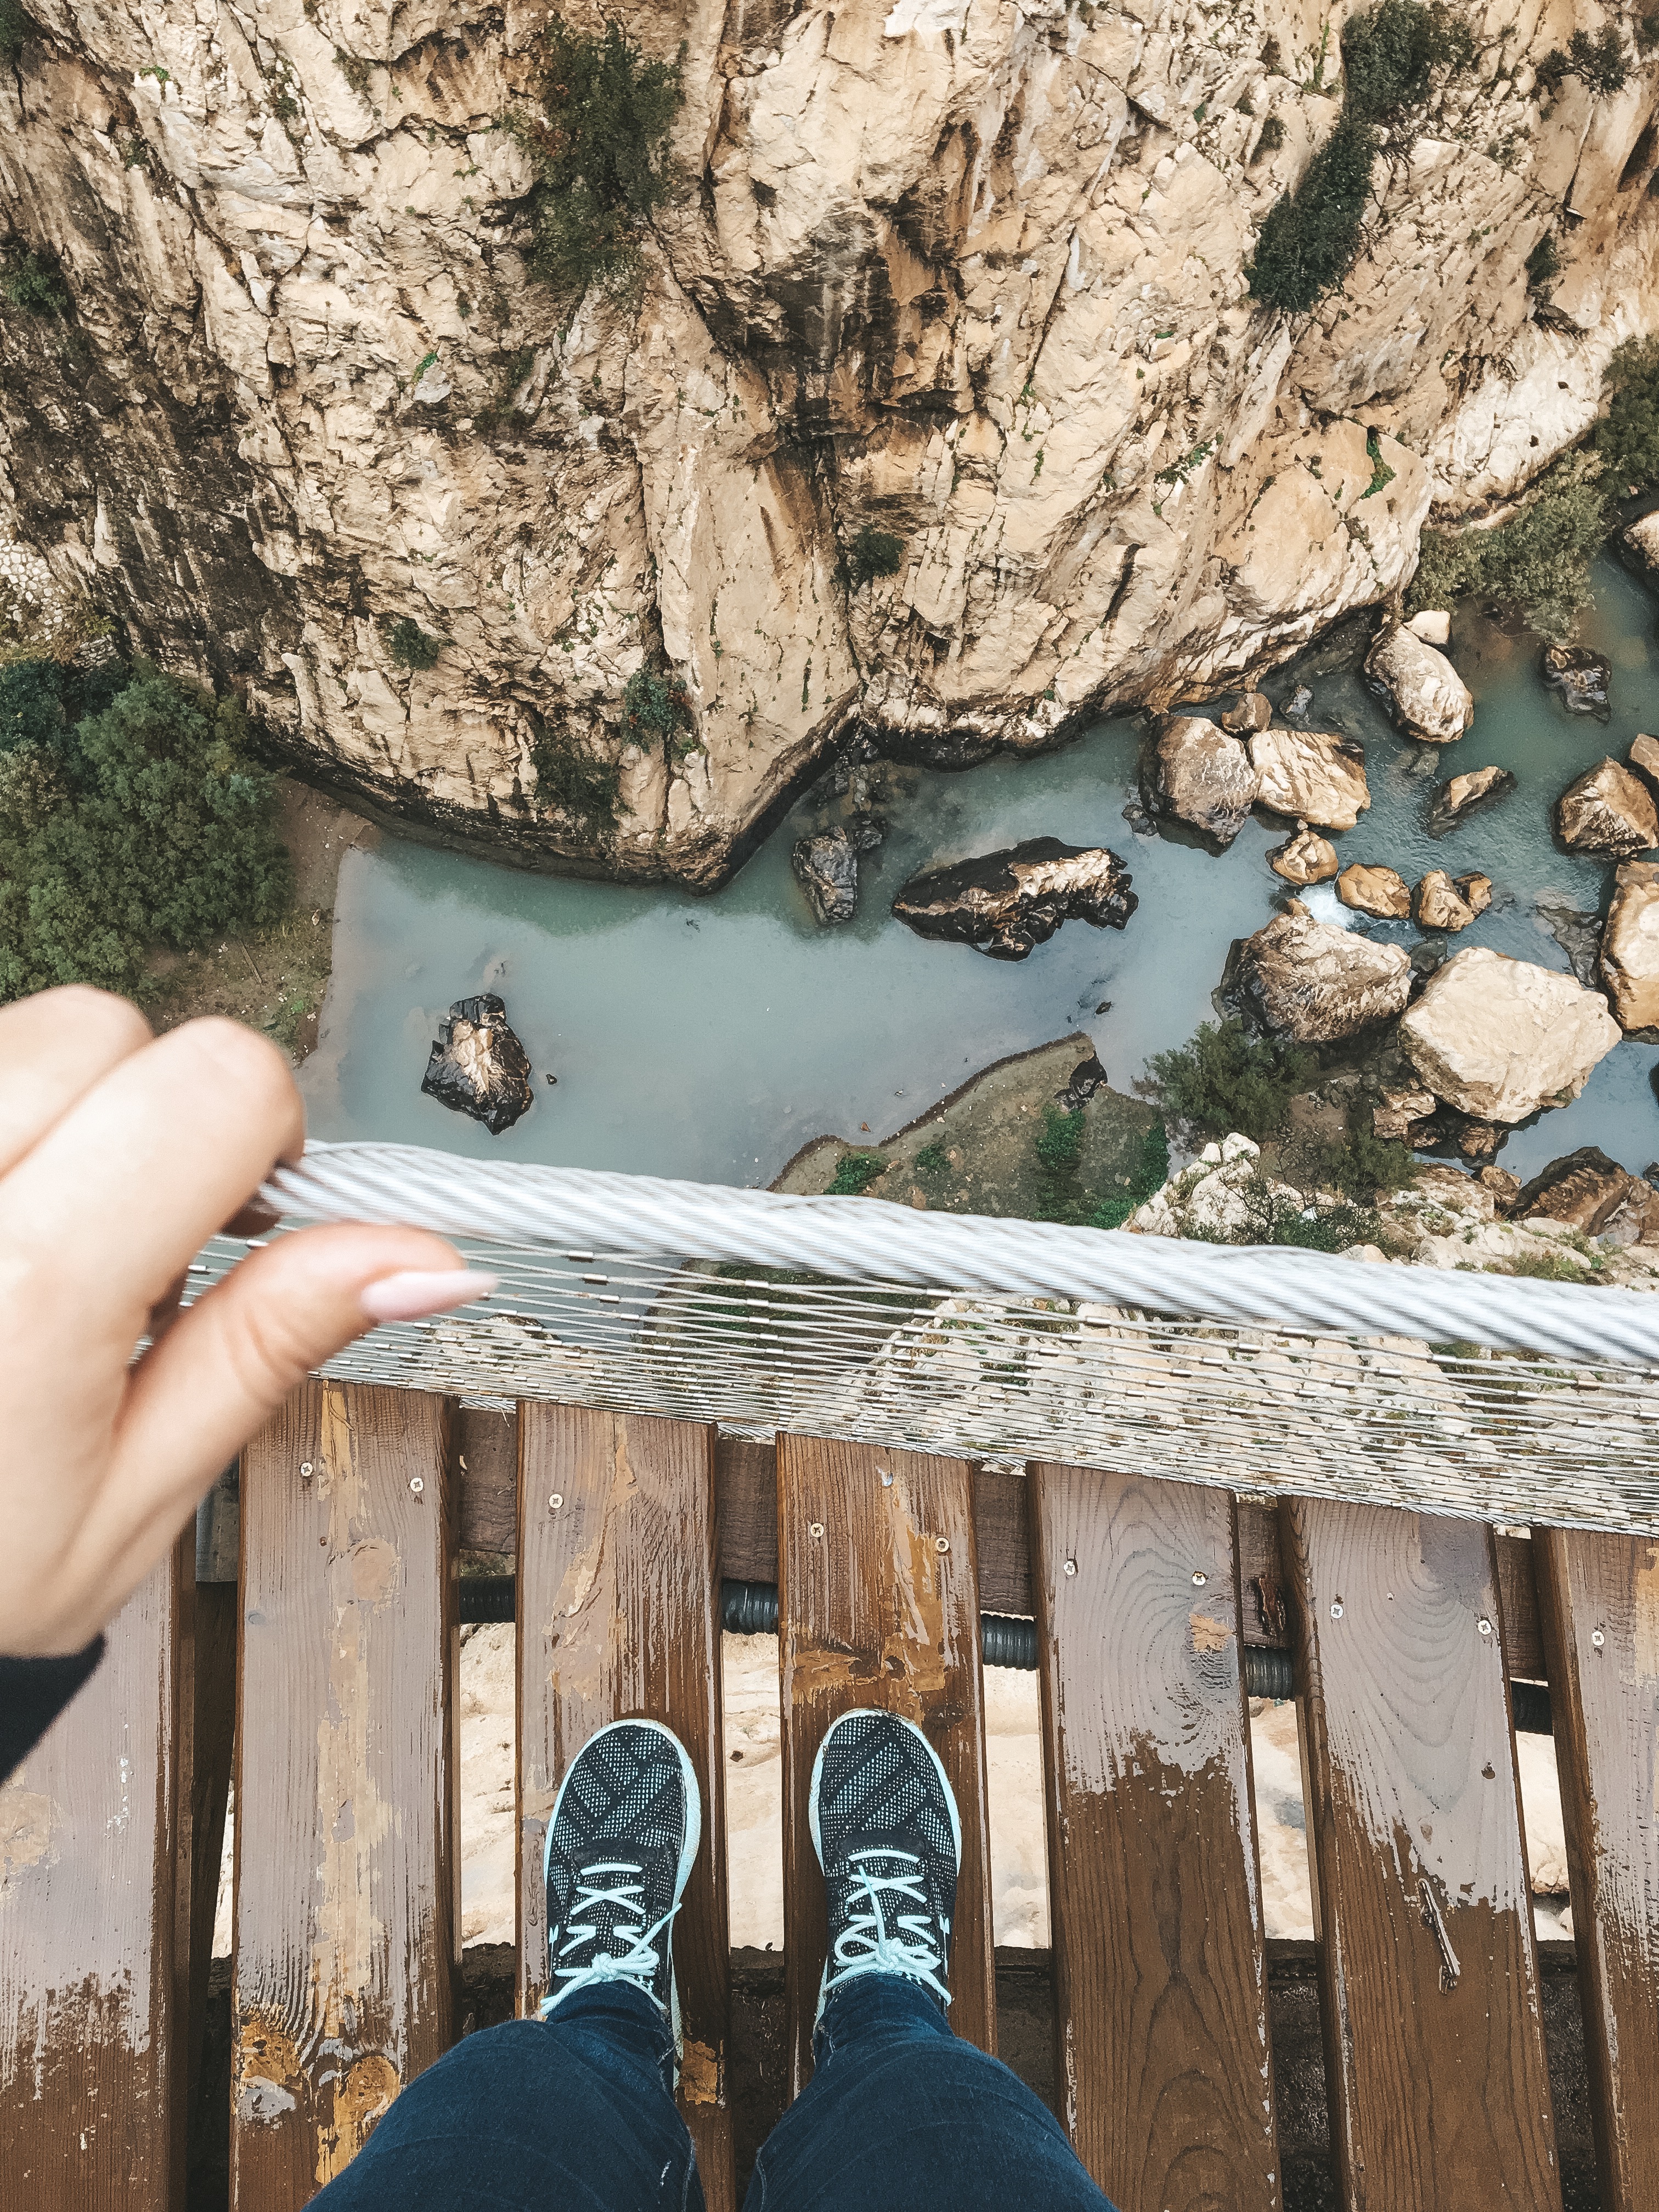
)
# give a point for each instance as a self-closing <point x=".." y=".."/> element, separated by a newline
<point x="969" y="272"/>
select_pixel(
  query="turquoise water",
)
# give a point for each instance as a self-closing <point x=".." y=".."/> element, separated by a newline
<point x="711" y="1038"/>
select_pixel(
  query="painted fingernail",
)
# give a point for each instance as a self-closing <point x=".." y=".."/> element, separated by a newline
<point x="414" y="1293"/>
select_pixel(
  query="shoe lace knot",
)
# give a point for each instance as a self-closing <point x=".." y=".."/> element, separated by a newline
<point x="608" y="1909"/>
<point x="880" y="1937"/>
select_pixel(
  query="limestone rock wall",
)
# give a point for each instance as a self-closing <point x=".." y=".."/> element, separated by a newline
<point x="970" y="272"/>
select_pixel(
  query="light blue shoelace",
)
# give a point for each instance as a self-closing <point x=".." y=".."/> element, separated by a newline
<point x="638" y="1963"/>
<point x="866" y="1946"/>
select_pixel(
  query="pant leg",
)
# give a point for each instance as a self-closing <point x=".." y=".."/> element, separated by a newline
<point x="901" y="2113"/>
<point x="573" y="2113"/>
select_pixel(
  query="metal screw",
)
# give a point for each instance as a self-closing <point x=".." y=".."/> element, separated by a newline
<point x="1597" y="1638"/>
<point x="1200" y="1577"/>
<point x="886" y="1478"/>
<point x="1484" y="1626"/>
<point x="941" y="1543"/>
<point x="305" y="1470"/>
<point x="815" y="1529"/>
<point x="1336" y="1609"/>
<point x="1070" y="1567"/>
<point x="555" y="1502"/>
<point x="416" y="1485"/>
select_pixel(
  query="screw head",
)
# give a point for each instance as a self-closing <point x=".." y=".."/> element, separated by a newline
<point x="941" y="1543"/>
<point x="1484" y="1626"/>
<point x="1597" y="1638"/>
<point x="416" y="1485"/>
<point x="1336" y="1609"/>
<point x="555" y="1502"/>
<point x="307" y="1470"/>
<point x="1070" y="1568"/>
<point x="1198" y="1578"/>
<point x="816" y="1530"/>
<point x="886" y="1478"/>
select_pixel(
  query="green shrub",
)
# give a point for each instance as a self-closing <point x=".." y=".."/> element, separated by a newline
<point x="599" y="146"/>
<point x="1148" y="1175"/>
<point x="855" y="1172"/>
<point x="1222" y="1079"/>
<point x="1545" y="263"/>
<point x="1552" y="1267"/>
<point x="32" y="283"/>
<point x="17" y="26"/>
<point x="1390" y="55"/>
<point x="409" y="644"/>
<point x="658" y="705"/>
<point x="1059" y="1140"/>
<point x="933" y="1159"/>
<point x="144" y="822"/>
<point x="1365" y="1164"/>
<point x="874" y="553"/>
<point x="1538" y="562"/>
<point x="583" y="785"/>
<point x="1597" y="58"/>
<point x="1627" y="437"/>
<point x="1381" y="474"/>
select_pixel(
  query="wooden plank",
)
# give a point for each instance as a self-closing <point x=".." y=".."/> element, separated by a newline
<point x="746" y="1479"/>
<point x="1435" y="2067"/>
<point x="1523" y="1637"/>
<point x="1001" y="1543"/>
<point x="347" y="1873"/>
<point x="484" y="1443"/>
<point x="95" y="1915"/>
<point x="1160" y="1974"/>
<point x="619" y="1617"/>
<point x="1600" y="1599"/>
<point x="879" y="1605"/>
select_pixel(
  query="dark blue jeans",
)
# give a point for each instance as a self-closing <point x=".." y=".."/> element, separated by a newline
<point x="574" y="2114"/>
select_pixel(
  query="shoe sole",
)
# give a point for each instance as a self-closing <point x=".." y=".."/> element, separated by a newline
<point x="874" y="1712"/>
<point x="688" y="1850"/>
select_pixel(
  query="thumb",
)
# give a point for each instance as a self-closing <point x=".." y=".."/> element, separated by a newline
<point x="229" y="1362"/>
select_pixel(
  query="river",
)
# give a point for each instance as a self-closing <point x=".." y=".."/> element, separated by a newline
<point x="710" y="1037"/>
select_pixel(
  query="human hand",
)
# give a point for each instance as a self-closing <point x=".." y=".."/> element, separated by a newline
<point x="120" y="1153"/>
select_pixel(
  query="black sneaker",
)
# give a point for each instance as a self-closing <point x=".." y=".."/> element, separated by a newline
<point x="625" y="1829"/>
<point x="888" y="1837"/>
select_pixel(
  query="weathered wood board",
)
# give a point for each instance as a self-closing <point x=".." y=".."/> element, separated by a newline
<point x="619" y="1618"/>
<point x="878" y="1606"/>
<point x="1159" y="1963"/>
<point x="347" y="1875"/>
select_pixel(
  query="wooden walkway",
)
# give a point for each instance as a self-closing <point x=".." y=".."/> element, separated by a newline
<point x="332" y="1683"/>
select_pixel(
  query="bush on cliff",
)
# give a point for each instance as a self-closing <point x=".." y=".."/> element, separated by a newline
<point x="1538" y="562"/>
<point x="1627" y="437"/>
<point x="1222" y="1079"/>
<point x="599" y="146"/>
<point x="141" y="823"/>
<point x="578" y="781"/>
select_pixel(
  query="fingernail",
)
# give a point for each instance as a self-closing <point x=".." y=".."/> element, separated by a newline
<point x="414" y="1293"/>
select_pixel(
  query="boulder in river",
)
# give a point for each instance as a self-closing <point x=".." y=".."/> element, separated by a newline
<point x="1379" y="891"/>
<point x="827" y="869"/>
<point x="1197" y="773"/>
<point x="1007" y="903"/>
<point x="477" y="1065"/>
<point x="1608" y="810"/>
<point x="1499" y="1038"/>
<point x="1307" y="859"/>
<point x="1430" y="699"/>
<point x="1433" y="626"/>
<point x="1312" y="982"/>
<point x="1630" y="947"/>
<point x="1296" y="706"/>
<point x="1253" y="712"/>
<point x="1438" y="903"/>
<point x="1639" y="548"/>
<point x="1310" y="777"/>
<point x="867" y="830"/>
<point x="1585" y="1188"/>
<point x="1644" y="758"/>
<point x="1087" y="1078"/>
<point x="1453" y="802"/>
<point x="1580" y="676"/>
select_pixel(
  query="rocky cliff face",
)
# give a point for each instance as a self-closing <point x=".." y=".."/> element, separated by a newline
<point x="969" y="272"/>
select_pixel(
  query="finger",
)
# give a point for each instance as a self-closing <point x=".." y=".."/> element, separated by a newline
<point x="146" y="1166"/>
<point x="53" y="1049"/>
<point x="223" y="1369"/>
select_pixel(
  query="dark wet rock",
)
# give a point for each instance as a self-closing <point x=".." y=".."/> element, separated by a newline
<point x="1296" y="706"/>
<point x="1139" y="820"/>
<point x="478" y="1066"/>
<point x="1585" y="1190"/>
<point x="1194" y="772"/>
<point x="1253" y="712"/>
<point x="1577" y="933"/>
<point x="1580" y="676"/>
<point x="1087" y="1078"/>
<point x="1315" y="983"/>
<point x="1455" y="801"/>
<point x="867" y="831"/>
<point x="1608" y="810"/>
<point x="1006" y="903"/>
<point x="827" y="869"/>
